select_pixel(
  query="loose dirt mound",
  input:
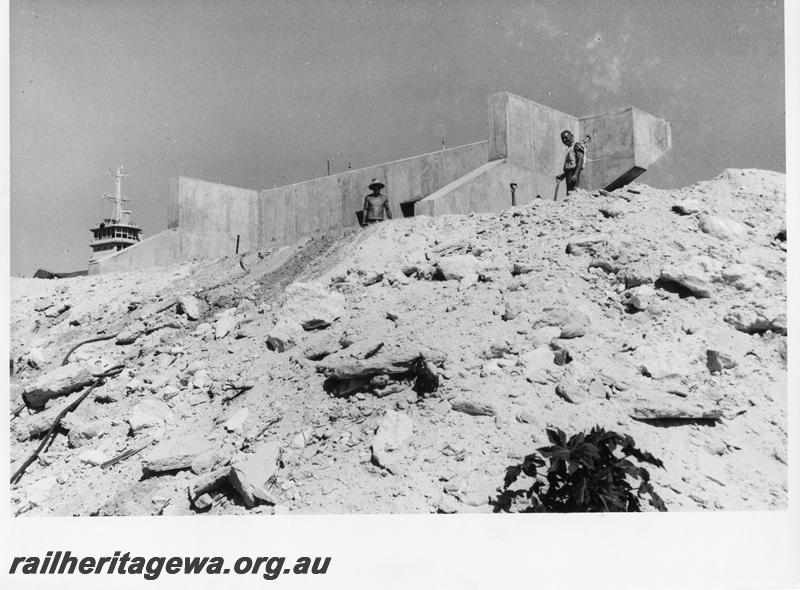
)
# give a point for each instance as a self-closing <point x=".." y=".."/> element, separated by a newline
<point x="424" y="357"/>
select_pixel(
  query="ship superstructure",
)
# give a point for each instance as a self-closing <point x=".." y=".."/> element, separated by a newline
<point x="117" y="232"/>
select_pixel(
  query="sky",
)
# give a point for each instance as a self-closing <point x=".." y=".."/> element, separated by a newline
<point x="263" y="93"/>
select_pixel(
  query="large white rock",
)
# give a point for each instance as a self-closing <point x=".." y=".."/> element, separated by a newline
<point x="586" y="243"/>
<point x="250" y="477"/>
<point x="55" y="382"/>
<point x="722" y="227"/>
<point x="391" y="438"/>
<point x="237" y="420"/>
<point x="312" y="306"/>
<point x="193" y="307"/>
<point x="148" y="413"/>
<point x="284" y="335"/>
<point x="744" y="277"/>
<point x="536" y="363"/>
<point x="175" y="453"/>
<point x="695" y="275"/>
<point x="459" y="267"/>
<point x="687" y="206"/>
<point x="639" y="297"/>
<point x="226" y="323"/>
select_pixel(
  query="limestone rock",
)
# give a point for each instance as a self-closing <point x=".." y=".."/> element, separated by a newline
<point x="285" y="335"/>
<point x="312" y="306"/>
<point x="391" y="438"/>
<point x="473" y="407"/>
<point x="460" y="267"/>
<point x="536" y="363"/>
<point x="237" y="420"/>
<point x="613" y="210"/>
<point x="93" y="457"/>
<point x="572" y="323"/>
<point x="322" y="343"/>
<point x="82" y="432"/>
<point x="57" y="309"/>
<point x="666" y="360"/>
<point x="587" y="243"/>
<point x="744" y="277"/>
<point x="520" y="268"/>
<point x="722" y="227"/>
<point x="55" y="382"/>
<point x="514" y="306"/>
<point x="43" y="303"/>
<point x="527" y="417"/>
<point x="377" y="358"/>
<point x="674" y="410"/>
<point x="544" y="335"/>
<point x="687" y="206"/>
<point x="695" y="275"/>
<point x="639" y="298"/>
<point x="130" y="333"/>
<point x="148" y="413"/>
<point x="756" y="320"/>
<point x="570" y="390"/>
<point x="637" y="274"/>
<point x="226" y="324"/>
<point x="372" y="277"/>
<point x="174" y="454"/>
<point x="717" y="361"/>
<point x="251" y="477"/>
<point x="193" y="307"/>
<point x="37" y="424"/>
<point x="37" y="357"/>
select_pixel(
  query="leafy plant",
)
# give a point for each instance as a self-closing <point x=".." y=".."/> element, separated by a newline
<point x="586" y="473"/>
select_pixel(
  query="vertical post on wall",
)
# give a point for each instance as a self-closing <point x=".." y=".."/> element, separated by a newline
<point x="237" y="243"/>
<point x="329" y="167"/>
<point x="513" y="187"/>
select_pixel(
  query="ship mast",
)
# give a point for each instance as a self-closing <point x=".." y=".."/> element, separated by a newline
<point x="117" y="197"/>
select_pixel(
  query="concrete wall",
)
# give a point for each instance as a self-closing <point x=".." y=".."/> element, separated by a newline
<point x="485" y="189"/>
<point x="290" y="212"/>
<point x="209" y="217"/>
<point x="528" y="136"/>
<point x="623" y="146"/>
<point x="524" y="147"/>
<point x="158" y="250"/>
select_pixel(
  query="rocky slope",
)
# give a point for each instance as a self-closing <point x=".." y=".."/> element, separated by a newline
<point x="304" y="379"/>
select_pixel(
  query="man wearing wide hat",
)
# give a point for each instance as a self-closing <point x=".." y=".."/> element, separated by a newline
<point x="375" y="204"/>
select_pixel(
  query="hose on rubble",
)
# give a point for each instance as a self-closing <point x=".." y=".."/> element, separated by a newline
<point x="51" y="432"/>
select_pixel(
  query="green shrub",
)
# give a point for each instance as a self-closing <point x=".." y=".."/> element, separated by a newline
<point x="587" y="473"/>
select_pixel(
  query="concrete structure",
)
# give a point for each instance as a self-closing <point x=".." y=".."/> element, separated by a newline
<point x="208" y="220"/>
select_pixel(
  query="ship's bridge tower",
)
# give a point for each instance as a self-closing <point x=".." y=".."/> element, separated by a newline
<point x="117" y="232"/>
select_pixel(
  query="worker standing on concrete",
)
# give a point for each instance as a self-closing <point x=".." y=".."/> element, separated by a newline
<point x="375" y="204"/>
<point x="573" y="161"/>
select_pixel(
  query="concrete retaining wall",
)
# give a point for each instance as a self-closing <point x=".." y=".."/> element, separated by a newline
<point x="209" y="220"/>
<point x="528" y="135"/>
<point x="290" y="212"/>
<point x="485" y="189"/>
<point x="211" y="217"/>
<point x="158" y="250"/>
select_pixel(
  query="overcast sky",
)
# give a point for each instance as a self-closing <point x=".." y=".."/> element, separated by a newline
<point x="255" y="94"/>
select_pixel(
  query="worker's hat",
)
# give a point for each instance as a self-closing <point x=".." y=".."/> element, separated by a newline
<point x="375" y="185"/>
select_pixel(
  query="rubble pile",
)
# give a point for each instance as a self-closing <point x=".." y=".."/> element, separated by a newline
<point x="403" y="367"/>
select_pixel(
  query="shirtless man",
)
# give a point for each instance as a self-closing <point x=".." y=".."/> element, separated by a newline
<point x="573" y="161"/>
<point x="375" y="204"/>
